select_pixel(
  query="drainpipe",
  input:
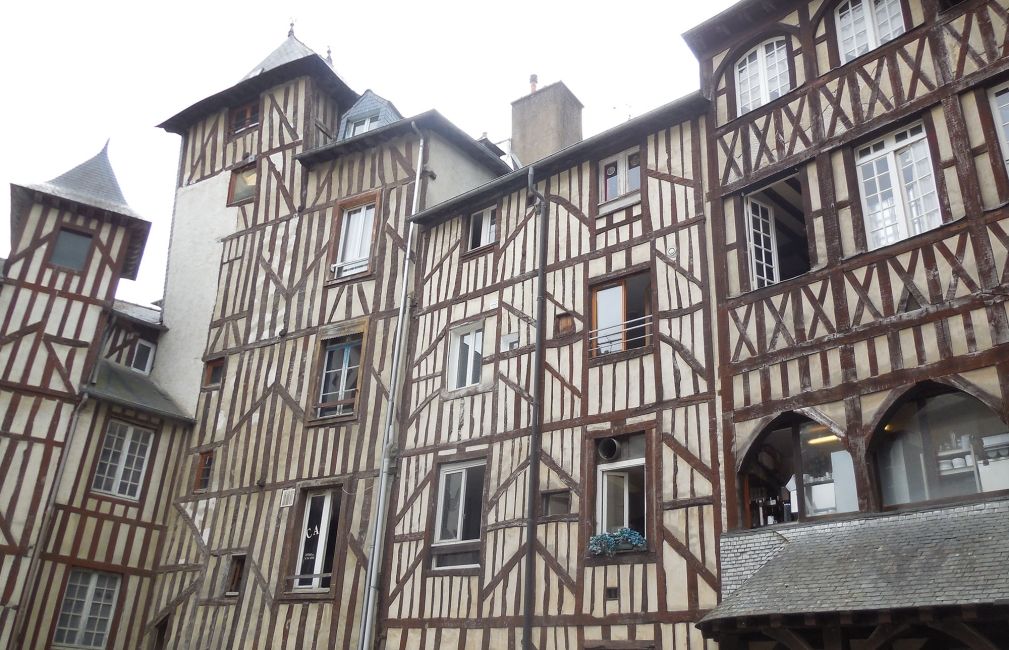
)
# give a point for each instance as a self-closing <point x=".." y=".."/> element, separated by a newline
<point x="536" y="433"/>
<point x="389" y="452"/>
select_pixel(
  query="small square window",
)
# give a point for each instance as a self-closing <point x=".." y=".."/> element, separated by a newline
<point x="556" y="502"/>
<point x="465" y="355"/>
<point x="213" y="372"/>
<point x="621" y="314"/>
<point x="317" y="546"/>
<point x="459" y="515"/>
<point x="244" y="117"/>
<point x="236" y="572"/>
<point x="361" y="125"/>
<point x="341" y="364"/>
<point x="482" y="229"/>
<point x="243" y="185"/>
<point x="564" y="324"/>
<point x="509" y="341"/>
<point x="204" y="471"/>
<point x="620" y="175"/>
<point x="70" y="250"/>
<point x="354" y="253"/>
<point x="142" y="356"/>
<point x="123" y="460"/>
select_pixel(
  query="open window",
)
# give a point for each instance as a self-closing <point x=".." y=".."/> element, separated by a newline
<point x="621" y="487"/>
<point x="459" y="516"/>
<point x="864" y="25"/>
<point x="339" y="376"/>
<point x="244" y="117"/>
<point x="941" y="444"/>
<point x="621" y="314"/>
<point x="236" y="575"/>
<point x="213" y="372"/>
<point x="142" y="356"/>
<point x="797" y="469"/>
<point x="204" y="471"/>
<point x="354" y="250"/>
<point x="317" y="541"/>
<point x="776" y="233"/>
<point x="243" y="185"/>
<point x="360" y="125"/>
<point x="762" y="75"/>
<point x="620" y="175"/>
<point x="482" y="229"/>
<point x="465" y="362"/>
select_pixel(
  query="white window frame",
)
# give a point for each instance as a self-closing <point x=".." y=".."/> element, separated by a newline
<point x="763" y="80"/>
<point x="354" y="258"/>
<point x="759" y="281"/>
<point x="86" y="610"/>
<point x="146" y="369"/>
<point x="995" y="95"/>
<point x="344" y="370"/>
<point x="475" y="331"/>
<point x="361" y="125"/>
<point x="320" y="555"/>
<point x="486" y="221"/>
<point x="443" y="472"/>
<point x="602" y="470"/>
<point x="131" y="432"/>
<point x="871" y="21"/>
<point x="628" y="181"/>
<point x="889" y="148"/>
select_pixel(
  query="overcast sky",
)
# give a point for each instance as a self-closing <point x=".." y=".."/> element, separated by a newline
<point x="77" y="73"/>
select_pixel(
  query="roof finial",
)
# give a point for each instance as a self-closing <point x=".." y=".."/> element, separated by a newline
<point x="105" y="149"/>
<point x="329" y="55"/>
<point x="290" y="32"/>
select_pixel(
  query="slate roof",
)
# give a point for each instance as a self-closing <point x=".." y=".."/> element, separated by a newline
<point x="120" y="385"/>
<point x="142" y="314"/>
<point x="934" y="558"/>
<point x="91" y="183"/>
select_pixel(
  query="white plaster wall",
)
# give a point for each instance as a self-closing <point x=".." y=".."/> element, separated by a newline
<point x="201" y="220"/>
<point x="456" y="172"/>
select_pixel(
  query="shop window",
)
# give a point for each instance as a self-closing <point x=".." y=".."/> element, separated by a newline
<point x="1000" y="111"/>
<point x="482" y="229"/>
<point x="797" y="470"/>
<point x="213" y="373"/>
<point x="244" y="117"/>
<point x="142" y="356"/>
<point x="864" y="25"/>
<point x="459" y="516"/>
<point x="341" y="366"/>
<point x="776" y="233"/>
<point x="204" y="471"/>
<point x="620" y="175"/>
<point x="465" y="361"/>
<point x="243" y="185"/>
<point x="939" y="445"/>
<point x="762" y="75"/>
<point x="122" y="460"/>
<point x="621" y="494"/>
<point x="313" y="569"/>
<point x="236" y="573"/>
<point x="354" y="252"/>
<point x="89" y="603"/>
<point x="621" y="314"/>
<point x="70" y="251"/>
<point x="899" y="198"/>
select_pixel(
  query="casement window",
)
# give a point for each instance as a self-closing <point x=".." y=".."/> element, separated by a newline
<point x="356" y="227"/>
<point x="70" y="250"/>
<point x="243" y="185"/>
<point x="761" y="237"/>
<point x="1000" y="111"/>
<point x="236" y="572"/>
<point x="204" y="471"/>
<point x="361" y="125"/>
<point x="762" y="75"/>
<point x="482" y="229"/>
<point x="341" y="365"/>
<point x="556" y="502"/>
<point x="213" y="372"/>
<point x="621" y="314"/>
<point x="899" y="197"/>
<point x="317" y="544"/>
<point x="864" y="25"/>
<point x="142" y="356"/>
<point x="122" y="460"/>
<point x="465" y="355"/>
<point x="244" y="117"/>
<point x="620" y="175"/>
<point x="459" y="515"/>
<point x="621" y="494"/>
<point x="775" y="226"/>
<point x="87" y="609"/>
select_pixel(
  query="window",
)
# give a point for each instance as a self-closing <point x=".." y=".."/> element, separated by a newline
<point x="762" y="75"/>
<point x="236" y="571"/>
<point x="317" y="547"/>
<point x="1000" y="110"/>
<point x="213" y="372"/>
<point x="482" y="229"/>
<point x="899" y="198"/>
<point x="940" y="445"/>
<point x="621" y="315"/>
<point x="355" y="241"/>
<point x="776" y="233"/>
<point x="361" y="125"/>
<point x="122" y="460"/>
<point x="70" y="250"/>
<point x="466" y="355"/>
<point x="556" y="502"/>
<point x="620" y="484"/>
<point x="620" y="175"/>
<point x="244" y="117"/>
<point x="243" y="185"/>
<point x="341" y="365"/>
<point x="460" y="511"/>
<point x="564" y="323"/>
<point x="160" y="635"/>
<point x="142" y="356"/>
<point x="204" y="471"/>
<point x="86" y="612"/>
<point x="796" y="470"/>
<point x="864" y="25"/>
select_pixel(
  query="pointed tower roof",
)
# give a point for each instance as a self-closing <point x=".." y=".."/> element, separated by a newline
<point x="292" y="59"/>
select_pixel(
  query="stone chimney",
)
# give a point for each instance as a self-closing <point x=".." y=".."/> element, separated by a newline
<point x="545" y="121"/>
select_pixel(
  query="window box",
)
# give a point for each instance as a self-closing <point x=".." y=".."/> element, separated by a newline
<point x="623" y="540"/>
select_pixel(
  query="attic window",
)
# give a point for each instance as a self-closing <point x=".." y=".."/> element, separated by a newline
<point x="70" y="250"/>
<point x="243" y="185"/>
<point x="244" y="117"/>
<point x="361" y="125"/>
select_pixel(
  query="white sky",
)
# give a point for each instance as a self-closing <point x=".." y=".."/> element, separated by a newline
<point x="77" y="73"/>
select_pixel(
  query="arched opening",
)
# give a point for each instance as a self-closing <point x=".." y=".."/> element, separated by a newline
<point x="938" y="443"/>
<point x="797" y="469"/>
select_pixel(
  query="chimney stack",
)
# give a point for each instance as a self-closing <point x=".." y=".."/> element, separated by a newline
<point x="545" y="121"/>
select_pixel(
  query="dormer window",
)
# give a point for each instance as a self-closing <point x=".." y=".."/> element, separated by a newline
<point x="361" y="125"/>
<point x="142" y="357"/>
<point x="244" y="117"/>
<point x="620" y="175"/>
<point x="762" y="75"/>
<point x="864" y="25"/>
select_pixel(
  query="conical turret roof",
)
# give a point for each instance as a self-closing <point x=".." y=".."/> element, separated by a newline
<point x="290" y="50"/>
<point x="91" y="183"/>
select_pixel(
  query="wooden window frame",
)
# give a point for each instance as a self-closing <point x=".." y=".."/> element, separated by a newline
<point x="150" y="358"/>
<point x="359" y="328"/>
<point x="486" y="215"/>
<point x="233" y="585"/>
<point x="762" y="78"/>
<point x="204" y="468"/>
<point x="648" y="322"/>
<point x="442" y="547"/>
<point x="455" y="336"/>
<point x="249" y="109"/>
<point x="336" y="240"/>
<point x="113" y="495"/>
<point x="344" y="346"/>
<point x="235" y="173"/>
<point x="208" y="372"/>
<point x="291" y="553"/>
<point x="51" y="249"/>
